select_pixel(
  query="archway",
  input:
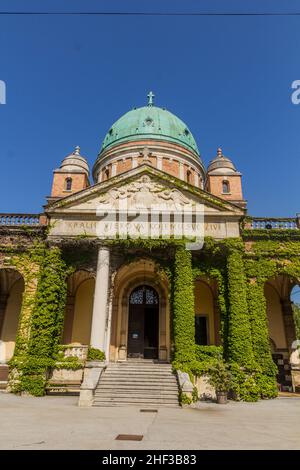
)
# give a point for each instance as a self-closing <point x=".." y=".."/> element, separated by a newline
<point x="11" y="293"/>
<point x="295" y="301"/>
<point x="207" y="317"/>
<point x="129" y="279"/>
<point x="79" y="308"/>
<point x="143" y="326"/>
<point x="281" y="326"/>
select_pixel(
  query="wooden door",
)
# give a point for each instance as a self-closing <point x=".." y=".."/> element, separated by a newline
<point x="136" y="331"/>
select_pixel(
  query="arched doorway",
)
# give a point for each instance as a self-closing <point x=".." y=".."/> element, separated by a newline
<point x="11" y="293"/>
<point x="79" y="308"/>
<point x="128" y="278"/>
<point x="143" y="323"/>
<point x="281" y="326"/>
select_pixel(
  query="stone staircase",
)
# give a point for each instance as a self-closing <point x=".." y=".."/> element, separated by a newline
<point x="137" y="383"/>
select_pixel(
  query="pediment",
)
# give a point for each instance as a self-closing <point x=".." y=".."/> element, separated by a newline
<point x="142" y="189"/>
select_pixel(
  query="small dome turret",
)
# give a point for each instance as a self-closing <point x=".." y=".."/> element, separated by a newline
<point x="75" y="163"/>
<point x="71" y="176"/>
<point x="221" y="165"/>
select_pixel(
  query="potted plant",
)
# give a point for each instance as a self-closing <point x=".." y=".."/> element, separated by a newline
<point x="220" y="379"/>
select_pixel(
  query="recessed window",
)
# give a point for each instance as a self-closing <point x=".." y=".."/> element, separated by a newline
<point x="188" y="176"/>
<point x="201" y="330"/>
<point x="110" y="131"/>
<point x="68" y="184"/>
<point x="106" y="174"/>
<point x="186" y="132"/>
<point x="225" y="187"/>
<point x="148" y="121"/>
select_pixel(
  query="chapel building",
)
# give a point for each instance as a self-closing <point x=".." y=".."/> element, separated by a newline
<point x="113" y="267"/>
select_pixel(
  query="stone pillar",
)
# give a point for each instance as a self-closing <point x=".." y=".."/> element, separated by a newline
<point x="3" y="303"/>
<point x="181" y="171"/>
<point x="114" y="169"/>
<point x="289" y="323"/>
<point x="159" y="163"/>
<point x="99" y="320"/>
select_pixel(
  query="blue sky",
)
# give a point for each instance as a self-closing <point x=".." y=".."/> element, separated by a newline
<point x="69" y="78"/>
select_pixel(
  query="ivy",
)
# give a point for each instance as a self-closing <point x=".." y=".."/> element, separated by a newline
<point x="260" y="340"/>
<point x="46" y="324"/>
<point x="239" y="332"/>
<point x="183" y="307"/>
<point x="95" y="354"/>
<point x="240" y="268"/>
<point x="48" y="312"/>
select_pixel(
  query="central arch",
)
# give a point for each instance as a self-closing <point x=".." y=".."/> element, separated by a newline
<point x="143" y="326"/>
<point x="133" y="281"/>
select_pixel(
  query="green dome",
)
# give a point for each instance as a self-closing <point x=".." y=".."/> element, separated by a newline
<point x="149" y="122"/>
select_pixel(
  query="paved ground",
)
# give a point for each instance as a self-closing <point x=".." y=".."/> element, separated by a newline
<point x="57" y="423"/>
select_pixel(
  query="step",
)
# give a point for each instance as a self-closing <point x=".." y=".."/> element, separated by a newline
<point x="145" y="372"/>
<point x="137" y="400"/>
<point x="144" y="376"/>
<point x="137" y="371"/>
<point x="139" y="405"/>
<point x="136" y="378"/>
<point x="138" y="386"/>
<point x="118" y="392"/>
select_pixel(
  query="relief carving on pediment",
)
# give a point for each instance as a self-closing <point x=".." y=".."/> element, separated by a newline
<point x="145" y="192"/>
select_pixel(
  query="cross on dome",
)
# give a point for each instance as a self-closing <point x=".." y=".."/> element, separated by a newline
<point x="150" y="97"/>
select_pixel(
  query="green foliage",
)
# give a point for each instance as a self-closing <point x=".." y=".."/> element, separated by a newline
<point x="243" y="383"/>
<point x="195" y="395"/>
<point x="267" y="384"/>
<point x="183" y="306"/>
<point x="68" y="363"/>
<point x="207" y="353"/>
<point x="46" y="325"/>
<point x="48" y="312"/>
<point x="239" y="332"/>
<point x="31" y="376"/>
<point x="220" y="376"/>
<point x="260" y="339"/>
<point x="95" y="354"/>
<point x="184" y="399"/>
<point x="271" y="234"/>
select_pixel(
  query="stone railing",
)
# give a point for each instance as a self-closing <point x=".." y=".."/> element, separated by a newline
<point x="276" y="223"/>
<point x="76" y="350"/>
<point x="16" y="220"/>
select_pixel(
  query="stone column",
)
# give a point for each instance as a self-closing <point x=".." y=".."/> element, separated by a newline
<point x="289" y="323"/>
<point x="114" y="169"/>
<point x="159" y="163"/>
<point x="181" y="171"/>
<point x="99" y="320"/>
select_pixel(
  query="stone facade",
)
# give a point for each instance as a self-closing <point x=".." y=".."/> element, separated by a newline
<point x="110" y="271"/>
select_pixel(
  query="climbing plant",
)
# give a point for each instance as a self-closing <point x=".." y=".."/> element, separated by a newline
<point x="183" y="307"/>
<point x="239" y="330"/>
<point x="46" y="323"/>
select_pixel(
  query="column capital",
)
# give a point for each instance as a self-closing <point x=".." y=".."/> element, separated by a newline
<point x="104" y="248"/>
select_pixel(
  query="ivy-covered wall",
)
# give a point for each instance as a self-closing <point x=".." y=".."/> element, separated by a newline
<point x="36" y="351"/>
<point x="183" y="307"/>
<point x="239" y="268"/>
